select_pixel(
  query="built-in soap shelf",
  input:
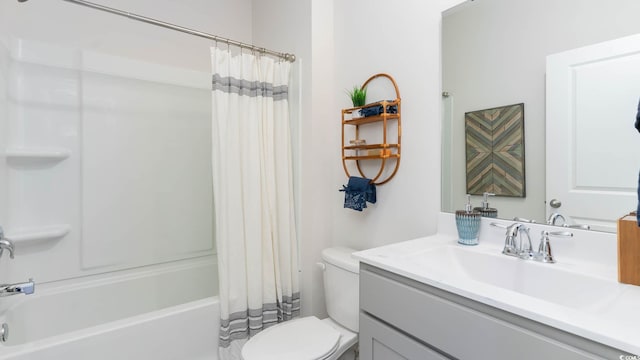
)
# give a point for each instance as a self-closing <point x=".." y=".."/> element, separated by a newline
<point x="32" y="154"/>
<point x="44" y="233"/>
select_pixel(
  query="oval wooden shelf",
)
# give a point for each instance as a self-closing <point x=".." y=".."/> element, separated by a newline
<point x="390" y="152"/>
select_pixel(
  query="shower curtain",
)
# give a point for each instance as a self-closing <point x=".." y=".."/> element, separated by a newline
<point x="253" y="197"/>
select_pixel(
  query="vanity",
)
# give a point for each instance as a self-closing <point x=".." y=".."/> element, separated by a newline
<point x="431" y="298"/>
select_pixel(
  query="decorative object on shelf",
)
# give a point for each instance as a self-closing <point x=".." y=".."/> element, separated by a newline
<point x="378" y="109"/>
<point x="358" y="96"/>
<point x="385" y="114"/>
<point x="468" y="224"/>
<point x="358" y="142"/>
<point x="495" y="151"/>
<point x="358" y="192"/>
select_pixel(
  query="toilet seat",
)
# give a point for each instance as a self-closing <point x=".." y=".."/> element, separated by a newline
<point x="307" y="338"/>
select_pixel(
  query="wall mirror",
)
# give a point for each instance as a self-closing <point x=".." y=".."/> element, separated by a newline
<point x="494" y="53"/>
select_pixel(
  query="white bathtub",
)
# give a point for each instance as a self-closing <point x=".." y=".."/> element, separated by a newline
<point x="167" y="312"/>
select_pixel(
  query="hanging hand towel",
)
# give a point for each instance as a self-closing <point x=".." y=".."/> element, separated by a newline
<point x="358" y="192"/>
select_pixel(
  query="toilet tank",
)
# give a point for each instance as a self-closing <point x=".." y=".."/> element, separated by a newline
<point x="341" y="286"/>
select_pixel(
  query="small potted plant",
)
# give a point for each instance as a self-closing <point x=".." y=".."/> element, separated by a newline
<point x="358" y="98"/>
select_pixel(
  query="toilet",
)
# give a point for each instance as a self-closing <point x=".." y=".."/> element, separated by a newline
<point x="310" y="338"/>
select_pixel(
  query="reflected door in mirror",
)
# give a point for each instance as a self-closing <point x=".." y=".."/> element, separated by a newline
<point x="590" y="166"/>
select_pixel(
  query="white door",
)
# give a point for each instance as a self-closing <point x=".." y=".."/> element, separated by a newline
<point x="593" y="150"/>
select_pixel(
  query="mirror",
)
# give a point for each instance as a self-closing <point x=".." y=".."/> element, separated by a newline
<point x="494" y="54"/>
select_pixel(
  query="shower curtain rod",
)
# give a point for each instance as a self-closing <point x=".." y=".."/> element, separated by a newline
<point x="286" y="56"/>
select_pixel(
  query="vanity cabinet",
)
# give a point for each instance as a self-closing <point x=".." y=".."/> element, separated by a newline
<point x="383" y="342"/>
<point x="404" y="319"/>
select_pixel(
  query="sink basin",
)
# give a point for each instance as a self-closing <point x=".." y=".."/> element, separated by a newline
<point x="547" y="282"/>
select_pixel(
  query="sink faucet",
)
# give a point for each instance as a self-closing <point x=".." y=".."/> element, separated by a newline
<point x="519" y="249"/>
<point x="553" y="219"/>
<point x="26" y="288"/>
<point x="6" y="244"/>
<point x="544" y="253"/>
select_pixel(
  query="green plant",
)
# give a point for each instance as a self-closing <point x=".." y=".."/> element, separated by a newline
<point x="358" y="96"/>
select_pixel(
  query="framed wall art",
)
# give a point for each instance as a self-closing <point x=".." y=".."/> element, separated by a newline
<point x="495" y="151"/>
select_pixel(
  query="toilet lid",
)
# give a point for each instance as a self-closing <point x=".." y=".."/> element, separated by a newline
<point x="306" y="338"/>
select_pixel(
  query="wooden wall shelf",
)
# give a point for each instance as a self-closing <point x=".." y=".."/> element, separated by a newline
<point x="388" y="151"/>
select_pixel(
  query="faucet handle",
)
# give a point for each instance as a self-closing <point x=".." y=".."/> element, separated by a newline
<point x="499" y="225"/>
<point x="559" y="233"/>
<point x="530" y="221"/>
<point x="544" y="253"/>
<point x="578" y="226"/>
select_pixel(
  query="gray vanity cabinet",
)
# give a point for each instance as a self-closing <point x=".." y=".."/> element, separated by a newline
<point x="383" y="342"/>
<point x="404" y="319"/>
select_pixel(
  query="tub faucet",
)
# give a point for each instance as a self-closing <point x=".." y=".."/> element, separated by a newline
<point x="6" y="244"/>
<point x="26" y="288"/>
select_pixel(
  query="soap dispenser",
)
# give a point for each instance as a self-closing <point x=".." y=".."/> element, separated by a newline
<point x="468" y="224"/>
<point x="485" y="210"/>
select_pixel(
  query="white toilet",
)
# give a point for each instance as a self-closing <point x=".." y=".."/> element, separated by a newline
<point x="310" y="338"/>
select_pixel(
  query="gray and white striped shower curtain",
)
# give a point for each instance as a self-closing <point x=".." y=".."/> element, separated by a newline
<point x="253" y="196"/>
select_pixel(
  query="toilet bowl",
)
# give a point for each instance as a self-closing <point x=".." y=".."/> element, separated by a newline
<point x="310" y="338"/>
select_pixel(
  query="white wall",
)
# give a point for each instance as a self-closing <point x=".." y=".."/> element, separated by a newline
<point x="494" y="54"/>
<point x="58" y="22"/>
<point x="341" y="44"/>
<point x="402" y="40"/>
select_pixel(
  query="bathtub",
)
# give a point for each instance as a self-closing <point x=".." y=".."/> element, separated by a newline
<point x="165" y="312"/>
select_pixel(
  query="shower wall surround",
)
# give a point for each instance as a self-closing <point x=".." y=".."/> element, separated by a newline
<point x="132" y="186"/>
<point x="118" y="115"/>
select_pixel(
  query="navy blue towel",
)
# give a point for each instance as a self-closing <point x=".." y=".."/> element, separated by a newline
<point x="377" y="110"/>
<point x="358" y="192"/>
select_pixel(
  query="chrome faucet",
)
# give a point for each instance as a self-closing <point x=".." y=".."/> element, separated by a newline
<point x="553" y="219"/>
<point x="6" y="244"/>
<point x="520" y="219"/>
<point x="544" y="253"/>
<point x="519" y="249"/>
<point x="578" y="226"/>
<point x="26" y="288"/>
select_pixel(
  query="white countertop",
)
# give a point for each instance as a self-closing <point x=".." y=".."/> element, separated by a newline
<point x="613" y="320"/>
